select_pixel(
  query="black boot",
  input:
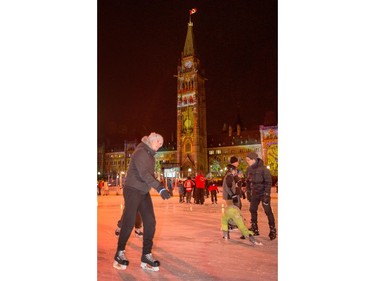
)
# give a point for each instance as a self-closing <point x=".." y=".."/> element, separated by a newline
<point x="149" y="263"/>
<point x="121" y="262"/>
<point x="254" y="228"/>
<point x="272" y="234"/>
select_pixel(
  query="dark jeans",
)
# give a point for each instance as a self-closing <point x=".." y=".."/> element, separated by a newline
<point x="170" y="190"/>
<point x="188" y="197"/>
<point x="213" y="196"/>
<point x="254" y="203"/>
<point x="200" y="195"/>
<point x="182" y="197"/>
<point x="136" y="201"/>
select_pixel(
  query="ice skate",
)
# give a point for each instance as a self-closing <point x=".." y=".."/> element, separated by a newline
<point x="226" y="235"/>
<point x="138" y="233"/>
<point x="121" y="262"/>
<point x="254" y="242"/>
<point x="254" y="228"/>
<point x="272" y="234"/>
<point x="148" y="263"/>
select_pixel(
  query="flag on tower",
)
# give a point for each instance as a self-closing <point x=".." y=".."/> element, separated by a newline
<point x="192" y="11"/>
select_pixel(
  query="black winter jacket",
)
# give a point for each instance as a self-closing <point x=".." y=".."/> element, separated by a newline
<point x="141" y="170"/>
<point x="259" y="178"/>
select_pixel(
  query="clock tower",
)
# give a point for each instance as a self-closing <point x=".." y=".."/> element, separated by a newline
<point x="191" y="111"/>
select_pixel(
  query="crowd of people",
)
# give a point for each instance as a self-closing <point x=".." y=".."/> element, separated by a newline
<point x="253" y="185"/>
<point x="190" y="190"/>
<point x="102" y="187"/>
<point x="196" y="190"/>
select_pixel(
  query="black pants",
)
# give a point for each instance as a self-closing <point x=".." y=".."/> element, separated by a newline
<point x="254" y="203"/>
<point x="182" y="197"/>
<point x="136" y="201"/>
<point x="188" y="197"/>
<point x="213" y="196"/>
<point x="200" y="195"/>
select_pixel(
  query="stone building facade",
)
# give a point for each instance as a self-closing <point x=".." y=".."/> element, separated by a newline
<point x="194" y="151"/>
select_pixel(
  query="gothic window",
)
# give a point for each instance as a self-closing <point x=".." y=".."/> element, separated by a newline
<point x="188" y="147"/>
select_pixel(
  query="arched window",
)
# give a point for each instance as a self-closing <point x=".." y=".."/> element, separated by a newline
<point x="188" y="147"/>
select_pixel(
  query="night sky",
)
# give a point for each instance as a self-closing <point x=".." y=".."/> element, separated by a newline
<point x="139" y="46"/>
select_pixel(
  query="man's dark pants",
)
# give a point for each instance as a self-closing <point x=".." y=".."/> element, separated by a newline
<point x="136" y="201"/>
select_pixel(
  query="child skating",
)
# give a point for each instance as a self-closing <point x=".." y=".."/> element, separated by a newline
<point x="232" y="215"/>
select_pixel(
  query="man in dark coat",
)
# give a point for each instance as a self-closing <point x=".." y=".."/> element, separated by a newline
<point x="259" y="182"/>
<point x="140" y="179"/>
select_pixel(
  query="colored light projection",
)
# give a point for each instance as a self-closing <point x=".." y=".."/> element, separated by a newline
<point x="269" y="139"/>
<point x="187" y="121"/>
<point x="186" y="100"/>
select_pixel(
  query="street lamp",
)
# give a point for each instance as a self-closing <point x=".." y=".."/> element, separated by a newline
<point x="122" y="178"/>
<point x="117" y="183"/>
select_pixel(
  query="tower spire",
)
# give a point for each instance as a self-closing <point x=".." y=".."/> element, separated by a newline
<point x="189" y="41"/>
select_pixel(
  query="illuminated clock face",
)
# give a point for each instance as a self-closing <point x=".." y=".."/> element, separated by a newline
<point x="188" y="64"/>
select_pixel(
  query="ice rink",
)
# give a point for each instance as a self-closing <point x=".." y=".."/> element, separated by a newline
<point x="188" y="243"/>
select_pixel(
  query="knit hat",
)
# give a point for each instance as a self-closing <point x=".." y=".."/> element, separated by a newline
<point x="155" y="136"/>
<point x="230" y="167"/>
<point x="252" y="155"/>
<point x="233" y="159"/>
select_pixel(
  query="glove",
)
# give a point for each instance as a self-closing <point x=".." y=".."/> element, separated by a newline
<point x="163" y="192"/>
<point x="235" y="198"/>
<point x="266" y="199"/>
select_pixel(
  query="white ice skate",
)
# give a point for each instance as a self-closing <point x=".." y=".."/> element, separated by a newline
<point x="138" y="233"/>
<point x="148" y="263"/>
<point x="254" y="242"/>
<point x="121" y="262"/>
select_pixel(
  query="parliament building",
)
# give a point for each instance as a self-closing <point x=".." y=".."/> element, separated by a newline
<point x="193" y="150"/>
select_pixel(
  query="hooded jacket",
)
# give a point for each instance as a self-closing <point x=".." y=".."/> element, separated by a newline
<point x="141" y="170"/>
<point x="259" y="178"/>
<point x="229" y="186"/>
